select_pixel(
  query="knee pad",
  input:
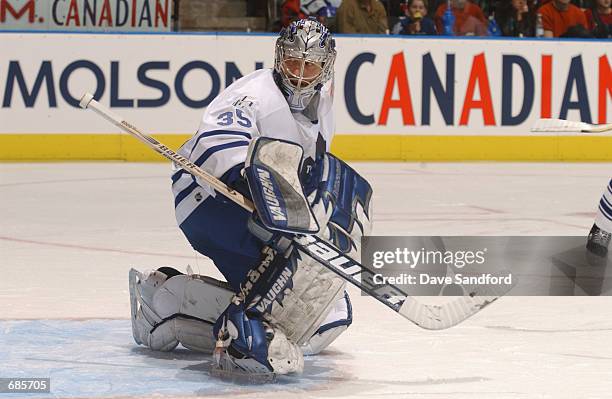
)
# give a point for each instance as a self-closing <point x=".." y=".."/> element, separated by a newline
<point x="338" y="320"/>
<point x="168" y="308"/>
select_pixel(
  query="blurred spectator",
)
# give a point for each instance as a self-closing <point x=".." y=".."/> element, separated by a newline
<point x="362" y="16"/>
<point x="395" y="8"/>
<point x="560" y="16"/>
<point x="254" y="7"/>
<point x="291" y="10"/>
<point x="415" y="20"/>
<point x="516" y="18"/>
<point x="493" y="28"/>
<point x="324" y="10"/>
<point x="599" y="18"/>
<point x="487" y="6"/>
<point x="469" y="18"/>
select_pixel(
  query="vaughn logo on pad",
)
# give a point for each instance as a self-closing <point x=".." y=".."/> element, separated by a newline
<point x="271" y="194"/>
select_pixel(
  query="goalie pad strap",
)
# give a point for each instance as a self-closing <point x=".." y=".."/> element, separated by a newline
<point x="182" y="316"/>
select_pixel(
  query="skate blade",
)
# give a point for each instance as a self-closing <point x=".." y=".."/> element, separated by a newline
<point x="239" y="377"/>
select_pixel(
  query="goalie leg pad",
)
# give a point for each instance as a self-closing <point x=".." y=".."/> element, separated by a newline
<point x="338" y="320"/>
<point x="292" y="292"/>
<point x="168" y="308"/>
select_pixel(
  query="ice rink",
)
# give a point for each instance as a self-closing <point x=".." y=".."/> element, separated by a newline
<point x="71" y="231"/>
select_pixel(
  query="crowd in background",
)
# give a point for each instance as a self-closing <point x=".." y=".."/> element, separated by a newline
<point x="517" y="18"/>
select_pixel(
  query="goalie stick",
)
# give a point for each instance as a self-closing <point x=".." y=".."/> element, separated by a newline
<point x="562" y="125"/>
<point x="431" y="317"/>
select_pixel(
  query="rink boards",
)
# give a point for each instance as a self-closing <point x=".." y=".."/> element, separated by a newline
<point x="395" y="98"/>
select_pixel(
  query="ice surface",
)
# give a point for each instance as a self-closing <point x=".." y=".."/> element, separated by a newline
<point x="69" y="233"/>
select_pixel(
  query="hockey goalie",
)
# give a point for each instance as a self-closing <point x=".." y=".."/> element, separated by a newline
<point x="268" y="137"/>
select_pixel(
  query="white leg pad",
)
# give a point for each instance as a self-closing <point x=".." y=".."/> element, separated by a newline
<point x="306" y="304"/>
<point x="181" y="309"/>
<point x="284" y="355"/>
<point x="338" y="320"/>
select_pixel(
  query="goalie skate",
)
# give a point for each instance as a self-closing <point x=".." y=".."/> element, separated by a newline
<point x="224" y="368"/>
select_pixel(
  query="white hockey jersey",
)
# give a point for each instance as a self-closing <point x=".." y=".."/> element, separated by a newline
<point x="252" y="106"/>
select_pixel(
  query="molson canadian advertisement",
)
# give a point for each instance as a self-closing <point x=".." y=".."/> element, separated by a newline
<point x="86" y="15"/>
<point x="419" y="99"/>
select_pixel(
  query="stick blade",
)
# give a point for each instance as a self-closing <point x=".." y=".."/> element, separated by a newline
<point x="560" y="125"/>
<point x="440" y="317"/>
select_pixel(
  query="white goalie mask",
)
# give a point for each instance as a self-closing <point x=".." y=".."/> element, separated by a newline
<point x="303" y="61"/>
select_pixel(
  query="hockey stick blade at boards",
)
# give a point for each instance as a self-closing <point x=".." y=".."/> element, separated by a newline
<point x="562" y="125"/>
<point x="431" y="317"/>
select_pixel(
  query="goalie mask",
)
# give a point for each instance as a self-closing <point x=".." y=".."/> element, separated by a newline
<point x="303" y="61"/>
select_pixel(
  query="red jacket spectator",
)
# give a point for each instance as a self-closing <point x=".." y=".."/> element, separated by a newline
<point x="605" y="18"/>
<point x="469" y="18"/>
<point x="560" y="15"/>
<point x="291" y="11"/>
<point x="599" y="18"/>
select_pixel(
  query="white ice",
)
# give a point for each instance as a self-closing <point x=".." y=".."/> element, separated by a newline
<point x="69" y="232"/>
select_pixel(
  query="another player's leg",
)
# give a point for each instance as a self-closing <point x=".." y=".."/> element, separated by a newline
<point x="601" y="232"/>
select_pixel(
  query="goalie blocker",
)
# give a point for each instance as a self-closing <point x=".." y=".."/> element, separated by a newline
<point x="271" y="170"/>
